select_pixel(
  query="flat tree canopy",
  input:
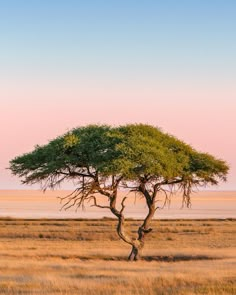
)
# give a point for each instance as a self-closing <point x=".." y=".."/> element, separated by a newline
<point x="102" y="159"/>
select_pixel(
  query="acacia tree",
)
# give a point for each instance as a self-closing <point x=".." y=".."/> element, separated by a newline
<point x="101" y="160"/>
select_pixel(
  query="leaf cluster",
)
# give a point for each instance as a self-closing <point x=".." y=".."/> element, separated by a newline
<point x="135" y="152"/>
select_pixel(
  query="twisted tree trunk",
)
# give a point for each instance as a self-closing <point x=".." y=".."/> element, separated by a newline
<point x="144" y="229"/>
<point x="121" y="219"/>
<point x="136" y="252"/>
<point x="138" y="243"/>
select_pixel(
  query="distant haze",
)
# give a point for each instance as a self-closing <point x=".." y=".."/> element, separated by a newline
<point x="35" y="204"/>
<point x="69" y="63"/>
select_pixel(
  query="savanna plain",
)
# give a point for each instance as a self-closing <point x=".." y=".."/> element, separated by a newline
<point x="72" y="256"/>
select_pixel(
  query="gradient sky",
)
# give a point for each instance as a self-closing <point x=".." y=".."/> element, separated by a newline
<point x="69" y="63"/>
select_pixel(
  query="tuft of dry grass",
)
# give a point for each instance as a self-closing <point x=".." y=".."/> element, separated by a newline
<point x="86" y="257"/>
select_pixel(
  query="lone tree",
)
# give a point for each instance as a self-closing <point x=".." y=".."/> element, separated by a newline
<point x="103" y="159"/>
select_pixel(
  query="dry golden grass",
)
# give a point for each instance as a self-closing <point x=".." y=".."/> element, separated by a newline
<point x="86" y="257"/>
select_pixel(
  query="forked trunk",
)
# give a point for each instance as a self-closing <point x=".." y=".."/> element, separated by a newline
<point x="138" y="243"/>
<point x="144" y="229"/>
<point x="135" y="254"/>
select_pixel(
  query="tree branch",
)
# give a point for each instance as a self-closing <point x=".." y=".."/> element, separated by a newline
<point x="95" y="203"/>
<point x="123" y="205"/>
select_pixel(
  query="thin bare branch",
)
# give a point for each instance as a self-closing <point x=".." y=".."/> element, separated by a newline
<point x="95" y="204"/>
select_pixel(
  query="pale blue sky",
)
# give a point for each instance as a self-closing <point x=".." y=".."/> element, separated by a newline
<point x="106" y="37"/>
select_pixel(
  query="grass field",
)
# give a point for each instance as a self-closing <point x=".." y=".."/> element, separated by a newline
<point x="86" y="257"/>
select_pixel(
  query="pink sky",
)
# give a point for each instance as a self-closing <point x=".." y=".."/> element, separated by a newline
<point x="34" y="111"/>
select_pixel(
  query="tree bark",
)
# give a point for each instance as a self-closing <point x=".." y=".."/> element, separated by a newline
<point x="136" y="253"/>
<point x="138" y="243"/>
<point x="144" y="229"/>
<point x="121" y="220"/>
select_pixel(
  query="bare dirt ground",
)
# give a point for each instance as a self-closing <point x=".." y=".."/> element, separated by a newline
<point x="86" y="257"/>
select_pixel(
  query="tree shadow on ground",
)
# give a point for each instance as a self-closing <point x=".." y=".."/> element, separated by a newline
<point x="168" y="258"/>
<point x="158" y="258"/>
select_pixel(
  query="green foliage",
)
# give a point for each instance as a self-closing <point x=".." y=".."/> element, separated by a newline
<point x="145" y="150"/>
<point x="70" y="140"/>
<point x="207" y="168"/>
<point x="134" y="151"/>
<point x="80" y="149"/>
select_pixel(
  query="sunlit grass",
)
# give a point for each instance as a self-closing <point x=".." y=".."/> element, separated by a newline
<point x="86" y="257"/>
